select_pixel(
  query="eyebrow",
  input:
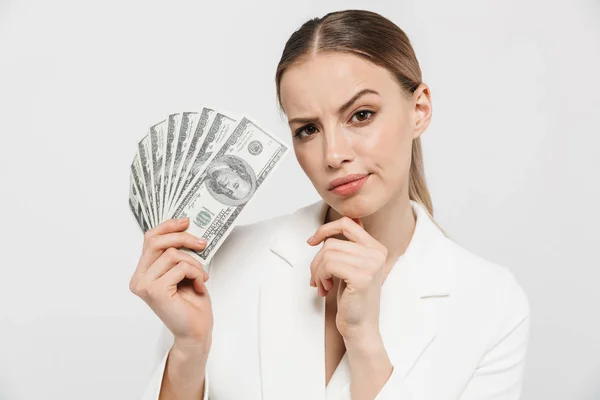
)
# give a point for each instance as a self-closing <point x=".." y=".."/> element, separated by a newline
<point x="342" y="109"/>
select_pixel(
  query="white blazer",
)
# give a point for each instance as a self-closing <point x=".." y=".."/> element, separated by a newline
<point x="454" y="325"/>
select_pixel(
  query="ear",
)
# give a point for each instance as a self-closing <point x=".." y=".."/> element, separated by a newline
<point x="422" y="109"/>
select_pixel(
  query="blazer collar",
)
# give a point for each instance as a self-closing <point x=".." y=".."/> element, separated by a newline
<point x="430" y="277"/>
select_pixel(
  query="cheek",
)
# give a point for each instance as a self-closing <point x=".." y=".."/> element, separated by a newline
<point x="307" y="161"/>
<point x="389" y="148"/>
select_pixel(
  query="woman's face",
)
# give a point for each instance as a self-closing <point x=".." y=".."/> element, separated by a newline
<point x="349" y="116"/>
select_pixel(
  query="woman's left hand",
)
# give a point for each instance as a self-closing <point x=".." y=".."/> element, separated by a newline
<point x="359" y="264"/>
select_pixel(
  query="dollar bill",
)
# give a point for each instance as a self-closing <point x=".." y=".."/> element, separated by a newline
<point x="158" y="133"/>
<point x="219" y="131"/>
<point x="206" y="118"/>
<point x="136" y="205"/>
<point x="189" y="120"/>
<point x="216" y="197"/>
<point x="174" y="124"/>
<point x="136" y="174"/>
<point x="145" y="174"/>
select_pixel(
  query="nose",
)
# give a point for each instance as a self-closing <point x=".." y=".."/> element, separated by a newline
<point x="338" y="147"/>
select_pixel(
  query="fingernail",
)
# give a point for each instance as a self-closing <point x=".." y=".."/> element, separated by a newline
<point x="201" y="242"/>
<point x="310" y="239"/>
<point x="205" y="275"/>
<point x="182" y="220"/>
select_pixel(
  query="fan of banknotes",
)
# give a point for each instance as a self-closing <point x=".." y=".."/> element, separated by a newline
<point x="203" y="165"/>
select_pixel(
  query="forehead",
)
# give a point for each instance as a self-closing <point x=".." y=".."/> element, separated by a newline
<point x="327" y="80"/>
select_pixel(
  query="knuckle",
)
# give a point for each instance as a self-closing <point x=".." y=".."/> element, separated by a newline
<point x="382" y="258"/>
<point x="133" y="286"/>
<point x="151" y="242"/>
<point x="196" y="271"/>
<point x="190" y="269"/>
<point x="150" y="291"/>
<point x="143" y="291"/>
<point x="185" y="266"/>
<point x="172" y="254"/>
<point x="148" y="234"/>
<point x="197" y="265"/>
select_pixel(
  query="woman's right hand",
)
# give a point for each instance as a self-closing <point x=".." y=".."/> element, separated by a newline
<point x="185" y="309"/>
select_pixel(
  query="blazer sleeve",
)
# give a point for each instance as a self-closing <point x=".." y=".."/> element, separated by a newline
<point x="499" y="374"/>
<point x="165" y="342"/>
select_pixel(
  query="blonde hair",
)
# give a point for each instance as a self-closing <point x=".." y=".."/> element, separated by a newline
<point x="378" y="40"/>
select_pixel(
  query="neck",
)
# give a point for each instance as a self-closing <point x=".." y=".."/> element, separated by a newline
<point x="392" y="225"/>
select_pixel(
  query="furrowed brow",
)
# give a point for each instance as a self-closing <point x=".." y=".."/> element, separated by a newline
<point x="341" y="110"/>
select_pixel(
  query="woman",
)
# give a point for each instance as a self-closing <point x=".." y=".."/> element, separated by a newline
<point x="360" y="295"/>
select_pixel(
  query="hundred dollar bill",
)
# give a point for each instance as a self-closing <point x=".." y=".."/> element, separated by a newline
<point x="219" y="131"/>
<point x="136" y="206"/>
<point x="189" y="120"/>
<point x="217" y="196"/>
<point x="145" y="175"/>
<point x="206" y="119"/>
<point x="136" y="174"/>
<point x="158" y="134"/>
<point x="172" y="135"/>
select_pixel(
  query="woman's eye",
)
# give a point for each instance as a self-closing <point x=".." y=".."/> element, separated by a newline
<point x="308" y="129"/>
<point x="362" y="115"/>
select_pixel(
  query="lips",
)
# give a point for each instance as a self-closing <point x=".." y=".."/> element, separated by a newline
<point x="346" y="179"/>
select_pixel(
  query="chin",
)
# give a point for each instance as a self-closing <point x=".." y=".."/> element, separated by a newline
<point x="358" y="206"/>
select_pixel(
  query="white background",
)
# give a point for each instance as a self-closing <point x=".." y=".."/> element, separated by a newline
<point x="512" y="159"/>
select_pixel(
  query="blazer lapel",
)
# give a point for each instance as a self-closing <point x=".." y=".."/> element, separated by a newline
<point x="291" y="320"/>
<point x="414" y="295"/>
<point x="413" y="302"/>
